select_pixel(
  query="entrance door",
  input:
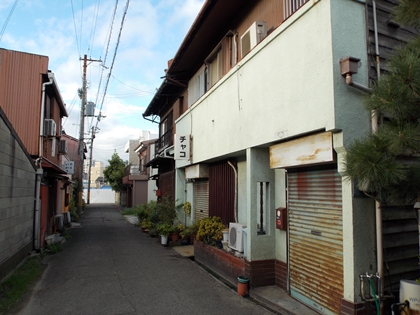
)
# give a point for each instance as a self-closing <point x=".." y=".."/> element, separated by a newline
<point x="316" y="239"/>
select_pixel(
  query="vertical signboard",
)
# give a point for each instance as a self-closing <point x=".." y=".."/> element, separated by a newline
<point x="182" y="147"/>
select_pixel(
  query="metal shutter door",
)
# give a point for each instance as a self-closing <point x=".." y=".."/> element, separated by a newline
<point x="316" y="239"/>
<point x="201" y="200"/>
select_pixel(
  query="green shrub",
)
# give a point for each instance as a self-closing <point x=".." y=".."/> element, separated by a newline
<point x="210" y="230"/>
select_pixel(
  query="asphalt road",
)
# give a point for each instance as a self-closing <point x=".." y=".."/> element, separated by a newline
<point x="109" y="266"/>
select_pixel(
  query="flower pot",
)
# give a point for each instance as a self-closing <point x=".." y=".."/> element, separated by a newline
<point x="242" y="285"/>
<point x="164" y="240"/>
<point x="175" y="236"/>
<point x="225" y="235"/>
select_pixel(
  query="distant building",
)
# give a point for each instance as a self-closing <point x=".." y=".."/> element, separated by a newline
<point x="97" y="174"/>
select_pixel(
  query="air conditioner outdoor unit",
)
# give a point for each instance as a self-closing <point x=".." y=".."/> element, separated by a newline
<point x="49" y="127"/>
<point x="253" y="36"/>
<point x="62" y="147"/>
<point x="236" y="236"/>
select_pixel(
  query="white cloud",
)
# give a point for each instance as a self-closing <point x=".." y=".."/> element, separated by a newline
<point x="152" y="33"/>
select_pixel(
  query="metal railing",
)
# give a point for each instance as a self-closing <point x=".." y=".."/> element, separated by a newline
<point x="165" y="141"/>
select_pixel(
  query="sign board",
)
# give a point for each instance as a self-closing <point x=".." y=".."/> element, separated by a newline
<point x="309" y="150"/>
<point x="182" y="147"/>
<point x="68" y="166"/>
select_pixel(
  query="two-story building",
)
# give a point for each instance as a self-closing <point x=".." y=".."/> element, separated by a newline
<point x="140" y="180"/>
<point x="31" y="100"/>
<point x="256" y="111"/>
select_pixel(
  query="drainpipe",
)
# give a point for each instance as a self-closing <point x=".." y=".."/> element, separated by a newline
<point x="235" y="205"/>
<point x="374" y="117"/>
<point x="350" y="82"/>
<point x="40" y="171"/>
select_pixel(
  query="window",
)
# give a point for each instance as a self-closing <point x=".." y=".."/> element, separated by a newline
<point x="263" y="206"/>
<point x="291" y="6"/>
<point x="197" y="86"/>
<point x="215" y="69"/>
<point x="142" y="165"/>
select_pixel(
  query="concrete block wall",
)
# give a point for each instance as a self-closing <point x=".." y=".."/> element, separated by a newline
<point x="17" y="192"/>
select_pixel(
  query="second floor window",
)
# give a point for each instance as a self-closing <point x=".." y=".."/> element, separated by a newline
<point x="214" y="69"/>
<point x="197" y="86"/>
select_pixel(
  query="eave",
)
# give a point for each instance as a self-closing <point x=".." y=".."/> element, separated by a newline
<point x="209" y="27"/>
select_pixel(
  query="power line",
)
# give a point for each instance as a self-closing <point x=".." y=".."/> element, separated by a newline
<point x="151" y="91"/>
<point x="75" y="28"/>
<point x="106" y="56"/>
<point x="115" y="55"/>
<point x="94" y="23"/>
<point x="8" y="19"/>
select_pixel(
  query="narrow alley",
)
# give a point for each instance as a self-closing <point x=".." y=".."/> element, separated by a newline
<point x="109" y="266"/>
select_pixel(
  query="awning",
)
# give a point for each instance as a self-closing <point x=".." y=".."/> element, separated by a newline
<point x="51" y="167"/>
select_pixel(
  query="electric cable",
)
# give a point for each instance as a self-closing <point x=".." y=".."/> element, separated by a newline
<point x="8" y="19"/>
<point x="75" y="28"/>
<point x="115" y="55"/>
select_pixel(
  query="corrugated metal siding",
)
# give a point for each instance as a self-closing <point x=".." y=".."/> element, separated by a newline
<point x="316" y="239"/>
<point x="201" y="200"/>
<point x="401" y="245"/>
<point x="20" y="93"/>
<point x="222" y="191"/>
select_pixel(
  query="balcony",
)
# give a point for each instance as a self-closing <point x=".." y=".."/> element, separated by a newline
<point x="165" y="141"/>
<point x="132" y="169"/>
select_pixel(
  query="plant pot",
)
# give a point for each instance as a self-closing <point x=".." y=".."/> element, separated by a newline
<point x="175" y="236"/>
<point x="164" y="240"/>
<point x="242" y="285"/>
<point x="225" y="235"/>
<point x="225" y="245"/>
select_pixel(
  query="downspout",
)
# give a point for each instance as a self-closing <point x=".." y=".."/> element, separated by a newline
<point x="378" y="212"/>
<point x="40" y="171"/>
<point x="235" y="202"/>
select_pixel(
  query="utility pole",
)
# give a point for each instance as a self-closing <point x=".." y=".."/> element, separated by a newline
<point x="90" y="163"/>
<point x="81" y="135"/>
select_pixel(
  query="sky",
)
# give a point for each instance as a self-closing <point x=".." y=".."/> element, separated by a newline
<point x="133" y="58"/>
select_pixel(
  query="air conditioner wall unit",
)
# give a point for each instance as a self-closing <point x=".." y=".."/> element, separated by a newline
<point x="236" y="241"/>
<point x="49" y="127"/>
<point x="62" y="147"/>
<point x="255" y="33"/>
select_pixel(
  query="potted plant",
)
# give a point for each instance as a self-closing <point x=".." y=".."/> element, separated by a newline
<point x="190" y="232"/>
<point x="178" y="228"/>
<point x="146" y="225"/>
<point x="210" y="230"/>
<point x="164" y="230"/>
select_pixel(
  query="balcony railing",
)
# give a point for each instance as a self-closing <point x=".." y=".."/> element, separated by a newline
<point x="165" y="141"/>
<point x="132" y="169"/>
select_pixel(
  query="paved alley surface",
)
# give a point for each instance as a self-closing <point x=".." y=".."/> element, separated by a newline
<point x="109" y="266"/>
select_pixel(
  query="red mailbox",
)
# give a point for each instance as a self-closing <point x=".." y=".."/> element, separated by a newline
<point x="281" y="218"/>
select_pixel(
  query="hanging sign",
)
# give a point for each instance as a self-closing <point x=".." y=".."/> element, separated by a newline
<point x="69" y="167"/>
<point x="182" y="147"/>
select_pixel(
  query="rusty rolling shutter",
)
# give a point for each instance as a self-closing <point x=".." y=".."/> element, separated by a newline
<point x="316" y="239"/>
<point x="201" y="199"/>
